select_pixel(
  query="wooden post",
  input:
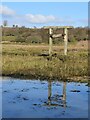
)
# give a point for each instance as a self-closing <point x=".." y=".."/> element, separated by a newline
<point x="58" y="35"/>
<point x="50" y="41"/>
<point x="65" y="40"/>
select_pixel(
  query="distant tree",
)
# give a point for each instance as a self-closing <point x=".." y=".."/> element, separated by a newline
<point x="16" y="26"/>
<point x="34" y="26"/>
<point x="23" y="27"/>
<point x="13" y="26"/>
<point x="5" y="23"/>
<point x="1" y="26"/>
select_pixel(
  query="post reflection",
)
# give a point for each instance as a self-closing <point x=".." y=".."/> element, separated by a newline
<point x="57" y="100"/>
<point x="49" y="92"/>
<point x="64" y="94"/>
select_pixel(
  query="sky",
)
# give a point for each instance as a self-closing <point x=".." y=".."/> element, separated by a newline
<point x="41" y="14"/>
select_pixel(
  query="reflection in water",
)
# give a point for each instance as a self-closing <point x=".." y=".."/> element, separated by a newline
<point x="30" y="99"/>
<point x="56" y="100"/>
<point x="49" y="92"/>
<point x="64" y="94"/>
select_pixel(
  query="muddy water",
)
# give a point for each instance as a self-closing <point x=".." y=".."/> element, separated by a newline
<point x="43" y="99"/>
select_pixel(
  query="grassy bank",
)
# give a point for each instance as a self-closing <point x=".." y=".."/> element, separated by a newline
<point x="31" y="61"/>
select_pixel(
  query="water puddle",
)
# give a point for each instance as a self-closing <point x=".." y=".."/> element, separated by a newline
<point x="44" y="99"/>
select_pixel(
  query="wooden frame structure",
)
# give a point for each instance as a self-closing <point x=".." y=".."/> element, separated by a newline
<point x="51" y="36"/>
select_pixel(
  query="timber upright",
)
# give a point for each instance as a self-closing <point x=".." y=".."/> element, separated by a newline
<point x="51" y="36"/>
<point x="50" y="41"/>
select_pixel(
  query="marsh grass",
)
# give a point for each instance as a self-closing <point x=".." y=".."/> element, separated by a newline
<point x="29" y="62"/>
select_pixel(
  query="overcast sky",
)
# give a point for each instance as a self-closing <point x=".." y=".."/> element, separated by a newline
<point x="40" y="14"/>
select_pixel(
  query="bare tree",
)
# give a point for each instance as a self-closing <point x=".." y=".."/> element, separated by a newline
<point x="5" y="23"/>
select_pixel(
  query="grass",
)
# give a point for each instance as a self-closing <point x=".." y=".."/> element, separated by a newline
<point x="8" y="38"/>
<point x="27" y="61"/>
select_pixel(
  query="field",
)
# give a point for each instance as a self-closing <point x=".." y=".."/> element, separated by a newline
<point x="32" y="61"/>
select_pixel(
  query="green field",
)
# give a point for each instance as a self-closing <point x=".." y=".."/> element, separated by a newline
<point x="32" y="61"/>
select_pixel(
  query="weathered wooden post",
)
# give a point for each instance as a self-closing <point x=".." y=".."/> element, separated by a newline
<point x="65" y="40"/>
<point x="50" y="41"/>
<point x="51" y="36"/>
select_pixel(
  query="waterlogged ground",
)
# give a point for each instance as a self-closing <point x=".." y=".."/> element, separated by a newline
<point x="43" y="99"/>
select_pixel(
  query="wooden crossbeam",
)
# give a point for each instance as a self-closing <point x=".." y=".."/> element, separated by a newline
<point x="57" y="27"/>
<point x="56" y="35"/>
<point x="51" y="36"/>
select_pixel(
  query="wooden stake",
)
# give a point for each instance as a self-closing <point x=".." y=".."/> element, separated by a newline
<point x="50" y="41"/>
<point x="65" y="40"/>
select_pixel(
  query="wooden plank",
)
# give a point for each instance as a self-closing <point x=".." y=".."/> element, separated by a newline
<point x="65" y="40"/>
<point x="56" y="27"/>
<point x="56" y="35"/>
<point x="50" y="42"/>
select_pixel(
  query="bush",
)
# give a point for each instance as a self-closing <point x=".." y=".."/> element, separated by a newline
<point x="73" y="40"/>
<point x="20" y="39"/>
<point x="34" y="39"/>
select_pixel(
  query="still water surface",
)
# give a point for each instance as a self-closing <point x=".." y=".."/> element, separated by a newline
<point x="44" y="99"/>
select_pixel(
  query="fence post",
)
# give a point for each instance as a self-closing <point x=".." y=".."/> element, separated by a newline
<point x="50" y="41"/>
<point x="65" y="40"/>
